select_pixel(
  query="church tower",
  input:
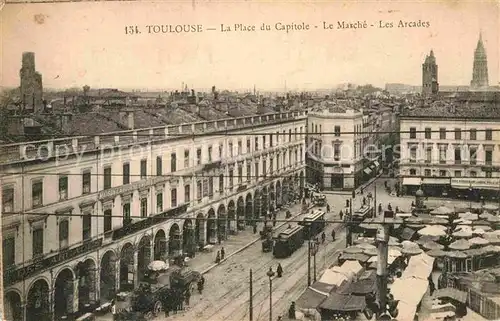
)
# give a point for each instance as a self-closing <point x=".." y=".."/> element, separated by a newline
<point x="480" y="68"/>
<point x="430" y="85"/>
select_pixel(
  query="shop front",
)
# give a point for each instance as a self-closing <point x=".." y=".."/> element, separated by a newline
<point x="411" y="185"/>
<point x="476" y="188"/>
<point x="436" y="186"/>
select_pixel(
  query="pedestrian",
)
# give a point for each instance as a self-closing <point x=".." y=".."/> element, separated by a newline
<point x="113" y="309"/>
<point x="279" y="270"/>
<point x="389" y="207"/>
<point x="380" y="208"/>
<point x="291" y="311"/>
<point x="323" y="237"/>
<point x="222" y="253"/>
<point x="254" y="228"/>
<point x="364" y="200"/>
<point x="432" y="288"/>
<point x="333" y="234"/>
<point x="274" y="221"/>
<point x="280" y="318"/>
<point x="200" y="286"/>
<point x="328" y="208"/>
<point x="217" y="258"/>
<point x="219" y="238"/>
<point x="341" y="214"/>
<point x="187" y="296"/>
<point x="165" y="301"/>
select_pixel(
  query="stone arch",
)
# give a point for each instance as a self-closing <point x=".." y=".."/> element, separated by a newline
<point x="257" y="205"/>
<point x="188" y="240"/>
<point x="127" y="267"/>
<point x="144" y="253"/>
<point x="265" y="201"/>
<point x="200" y="230"/>
<point x="221" y="222"/>
<point x="13" y="309"/>
<point x="249" y="209"/>
<point x="285" y="191"/>
<point x="301" y="184"/>
<point x="232" y="223"/>
<point x="160" y="246"/>
<point x="279" y="194"/>
<point x="108" y="276"/>
<point x="272" y="197"/>
<point x="37" y="300"/>
<point x="87" y="281"/>
<point x="174" y="241"/>
<point x="296" y="185"/>
<point x="65" y="293"/>
<point x="211" y="226"/>
<point x="240" y="213"/>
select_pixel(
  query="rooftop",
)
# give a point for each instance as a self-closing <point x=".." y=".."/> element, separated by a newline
<point x="439" y="110"/>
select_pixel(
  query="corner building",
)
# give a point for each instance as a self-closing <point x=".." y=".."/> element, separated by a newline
<point x="157" y="192"/>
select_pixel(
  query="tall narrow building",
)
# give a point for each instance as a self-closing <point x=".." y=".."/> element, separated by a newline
<point x="430" y="83"/>
<point x="480" y="68"/>
<point x="31" y="88"/>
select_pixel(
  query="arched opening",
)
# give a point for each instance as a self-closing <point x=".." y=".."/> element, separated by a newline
<point x="199" y="231"/>
<point x="279" y="195"/>
<point x="249" y="210"/>
<point x="240" y="213"/>
<point x="143" y="256"/>
<point x="272" y="197"/>
<point x="285" y="191"/>
<point x="87" y="294"/>
<point x="38" y="307"/>
<point x="265" y="201"/>
<point x="212" y="227"/>
<point x="108" y="276"/>
<point x="65" y="295"/>
<point x="160" y="247"/>
<point x="188" y="242"/>
<point x="257" y="205"/>
<point x="221" y="223"/>
<point x="232" y="224"/>
<point x="174" y="241"/>
<point x="302" y="182"/>
<point x="296" y="186"/>
<point x="127" y="267"/>
<point x="12" y="306"/>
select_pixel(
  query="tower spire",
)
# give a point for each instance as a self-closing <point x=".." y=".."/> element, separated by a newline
<point x="480" y="65"/>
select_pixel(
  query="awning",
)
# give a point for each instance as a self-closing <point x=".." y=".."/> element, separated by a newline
<point x="415" y="181"/>
<point x="452" y="294"/>
<point x="476" y="183"/>
<point x="436" y="181"/>
<point x="376" y="163"/>
<point x="346" y="303"/>
<point x="310" y="299"/>
<point x="367" y="171"/>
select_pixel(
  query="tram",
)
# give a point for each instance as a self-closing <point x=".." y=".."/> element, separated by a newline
<point x="288" y="241"/>
<point x="313" y="223"/>
<point x="364" y="212"/>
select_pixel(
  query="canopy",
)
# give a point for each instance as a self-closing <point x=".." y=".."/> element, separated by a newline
<point x="460" y="245"/>
<point x="468" y="216"/>
<point x="432" y="230"/>
<point x="345" y="303"/>
<point x="451" y="293"/>
<point x="355" y="257"/>
<point x="353" y="250"/>
<point x="442" y="210"/>
<point x="310" y="299"/>
<point x="436" y="253"/>
<point x="366" y="246"/>
<point x="433" y="246"/>
<point x="331" y="277"/>
<point x="407" y="233"/>
<point x="456" y="255"/>
<point x="157" y="266"/>
<point x="371" y="252"/>
<point x="410" y="248"/>
<point x="463" y="233"/>
<point x="478" y="241"/>
<point x="490" y="207"/>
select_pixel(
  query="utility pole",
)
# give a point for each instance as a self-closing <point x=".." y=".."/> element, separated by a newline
<point x="375" y="199"/>
<point x="309" y="263"/>
<point x="251" y="296"/>
<point x="348" y="226"/>
<point x="383" y="241"/>
<point x="314" y="258"/>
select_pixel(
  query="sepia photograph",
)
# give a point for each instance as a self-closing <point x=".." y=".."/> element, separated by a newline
<point x="250" y="161"/>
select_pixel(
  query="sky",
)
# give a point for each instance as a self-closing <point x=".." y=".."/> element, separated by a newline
<point x="84" y="43"/>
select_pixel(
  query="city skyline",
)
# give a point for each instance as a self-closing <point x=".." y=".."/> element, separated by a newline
<point x="88" y="46"/>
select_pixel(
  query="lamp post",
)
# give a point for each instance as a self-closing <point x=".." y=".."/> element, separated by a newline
<point x="270" y="274"/>
<point x="314" y="251"/>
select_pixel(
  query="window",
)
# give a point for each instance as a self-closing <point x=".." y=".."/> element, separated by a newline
<point x="108" y="219"/>
<point x="231" y="179"/>
<point x="428" y="155"/>
<point x="144" y="168"/>
<point x="458" y="134"/>
<point x="442" y="133"/>
<point x="159" y="166"/>
<point x="144" y="207"/>
<point x="86" y="182"/>
<point x="413" y="172"/>
<point x="300" y="131"/>
<point x="458" y="173"/>
<point x="428" y="132"/>
<point x="187" y="193"/>
<point x="107" y="178"/>
<point x="198" y="156"/>
<point x="211" y="187"/>
<point x="413" y="132"/>
<point x="315" y="128"/>
<point x="336" y="152"/>
<point x="186" y="158"/>
<point x="442" y="154"/>
<point x="413" y="154"/>
<point x="7" y="199"/>
<point x="63" y="234"/>
<point x="458" y="155"/>
<point x="210" y="154"/>
<point x="86" y="226"/>
<point x="249" y="146"/>
<point x="427" y="173"/>
<point x="256" y="143"/>
<point x="290" y="133"/>
<point x="249" y="172"/>
<point x="37" y="242"/>
<point x="488" y="133"/>
<point x="264" y="168"/>
<point x="473" y="156"/>
<point x="230" y="147"/>
<point x="221" y="183"/>
<point x="221" y="150"/>
<point x="270" y="140"/>
<point x="9" y="251"/>
<point x="336" y="131"/>
<point x="37" y="194"/>
<point x="488" y="157"/>
<point x="473" y="174"/>
<point x="199" y="190"/>
<point x="473" y="134"/>
<point x="173" y="197"/>
<point x="488" y="174"/>
<point x="442" y="173"/>
<point x="301" y="154"/>
<point x="240" y="174"/>
<point x="63" y="186"/>
<point x="256" y="175"/>
<point x="173" y="162"/>
<point x="126" y="214"/>
<point x="126" y="173"/>
<point x="278" y="165"/>
<point x="264" y="142"/>
<point x="271" y="165"/>
<point x="295" y="133"/>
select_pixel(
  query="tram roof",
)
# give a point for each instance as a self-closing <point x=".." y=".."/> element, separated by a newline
<point x="314" y="215"/>
<point x="290" y="230"/>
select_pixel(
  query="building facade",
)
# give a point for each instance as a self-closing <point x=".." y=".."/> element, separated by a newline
<point x="451" y="151"/>
<point x="336" y="151"/>
<point x="99" y="209"/>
